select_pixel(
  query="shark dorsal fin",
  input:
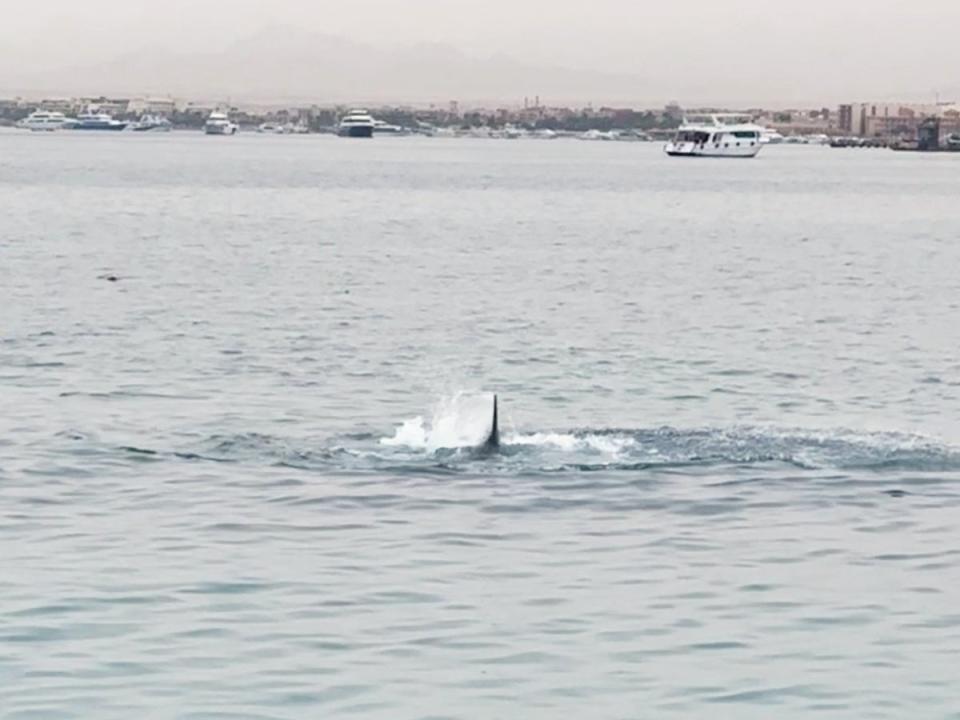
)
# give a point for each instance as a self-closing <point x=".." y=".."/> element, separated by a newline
<point x="493" y="439"/>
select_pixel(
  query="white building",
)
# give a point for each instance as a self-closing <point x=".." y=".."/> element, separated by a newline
<point x="63" y="105"/>
<point x="152" y="106"/>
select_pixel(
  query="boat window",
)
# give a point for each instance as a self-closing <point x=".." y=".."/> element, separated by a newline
<point x="744" y="133"/>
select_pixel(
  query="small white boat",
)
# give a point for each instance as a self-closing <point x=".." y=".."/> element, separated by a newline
<point x="630" y="136"/>
<point x="422" y="128"/>
<point x="219" y="124"/>
<point x="152" y="123"/>
<point x="356" y="124"/>
<point x="44" y="121"/>
<point x="716" y="135"/>
<point x="475" y="132"/>
<point x="383" y="128"/>
<point x="771" y="137"/>
<point x="597" y="135"/>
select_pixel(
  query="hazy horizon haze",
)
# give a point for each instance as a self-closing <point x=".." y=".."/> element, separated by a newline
<point x="740" y="52"/>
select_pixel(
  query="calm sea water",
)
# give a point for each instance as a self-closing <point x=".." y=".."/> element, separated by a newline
<point x="730" y="393"/>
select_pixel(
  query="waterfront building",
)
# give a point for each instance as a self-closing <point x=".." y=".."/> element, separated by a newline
<point x="110" y="106"/>
<point x="152" y="106"/>
<point x="891" y="119"/>
<point x="67" y="106"/>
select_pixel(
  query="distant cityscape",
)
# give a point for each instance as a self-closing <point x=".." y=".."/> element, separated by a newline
<point x="884" y="122"/>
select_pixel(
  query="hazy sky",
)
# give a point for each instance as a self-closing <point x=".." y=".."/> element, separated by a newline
<point x="692" y="50"/>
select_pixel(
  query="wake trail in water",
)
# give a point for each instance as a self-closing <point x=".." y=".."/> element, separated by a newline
<point x="458" y="423"/>
<point x="448" y="441"/>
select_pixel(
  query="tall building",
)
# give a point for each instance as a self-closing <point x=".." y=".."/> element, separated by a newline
<point x="845" y="118"/>
<point x="891" y="119"/>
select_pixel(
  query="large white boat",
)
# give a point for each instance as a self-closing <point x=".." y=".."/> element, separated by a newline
<point x="92" y="120"/>
<point x="716" y="135"/>
<point x="356" y="123"/>
<point x="42" y="120"/>
<point x="219" y="124"/>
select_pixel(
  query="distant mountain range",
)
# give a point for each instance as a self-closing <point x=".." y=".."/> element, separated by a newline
<point x="287" y="65"/>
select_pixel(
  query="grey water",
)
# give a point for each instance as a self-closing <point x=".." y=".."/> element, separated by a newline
<point x="729" y="397"/>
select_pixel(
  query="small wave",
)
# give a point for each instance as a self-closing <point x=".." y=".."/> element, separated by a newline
<point x="127" y="394"/>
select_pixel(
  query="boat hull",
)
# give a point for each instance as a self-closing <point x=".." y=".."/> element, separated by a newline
<point x="356" y="131"/>
<point x="220" y="129"/>
<point x="101" y="128"/>
<point x="716" y="150"/>
<point x="941" y="149"/>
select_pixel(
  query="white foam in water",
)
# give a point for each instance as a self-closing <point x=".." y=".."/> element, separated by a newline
<point x="462" y="420"/>
<point x="604" y="444"/>
<point x="563" y="441"/>
<point x="411" y="434"/>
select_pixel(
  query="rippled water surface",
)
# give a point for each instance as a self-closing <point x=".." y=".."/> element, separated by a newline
<point x="729" y="477"/>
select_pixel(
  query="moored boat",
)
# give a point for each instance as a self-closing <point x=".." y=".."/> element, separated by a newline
<point x="44" y="121"/>
<point x="384" y="128"/>
<point x="152" y="123"/>
<point x="218" y="123"/>
<point x="356" y="124"/>
<point x="97" y="121"/>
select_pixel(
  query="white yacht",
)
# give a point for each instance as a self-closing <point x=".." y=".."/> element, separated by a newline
<point x="716" y="135"/>
<point x="219" y="124"/>
<point x="356" y="123"/>
<point x="94" y="120"/>
<point x="42" y="120"/>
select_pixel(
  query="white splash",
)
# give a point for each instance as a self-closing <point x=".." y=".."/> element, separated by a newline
<point x="411" y="434"/>
<point x="461" y="420"/>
